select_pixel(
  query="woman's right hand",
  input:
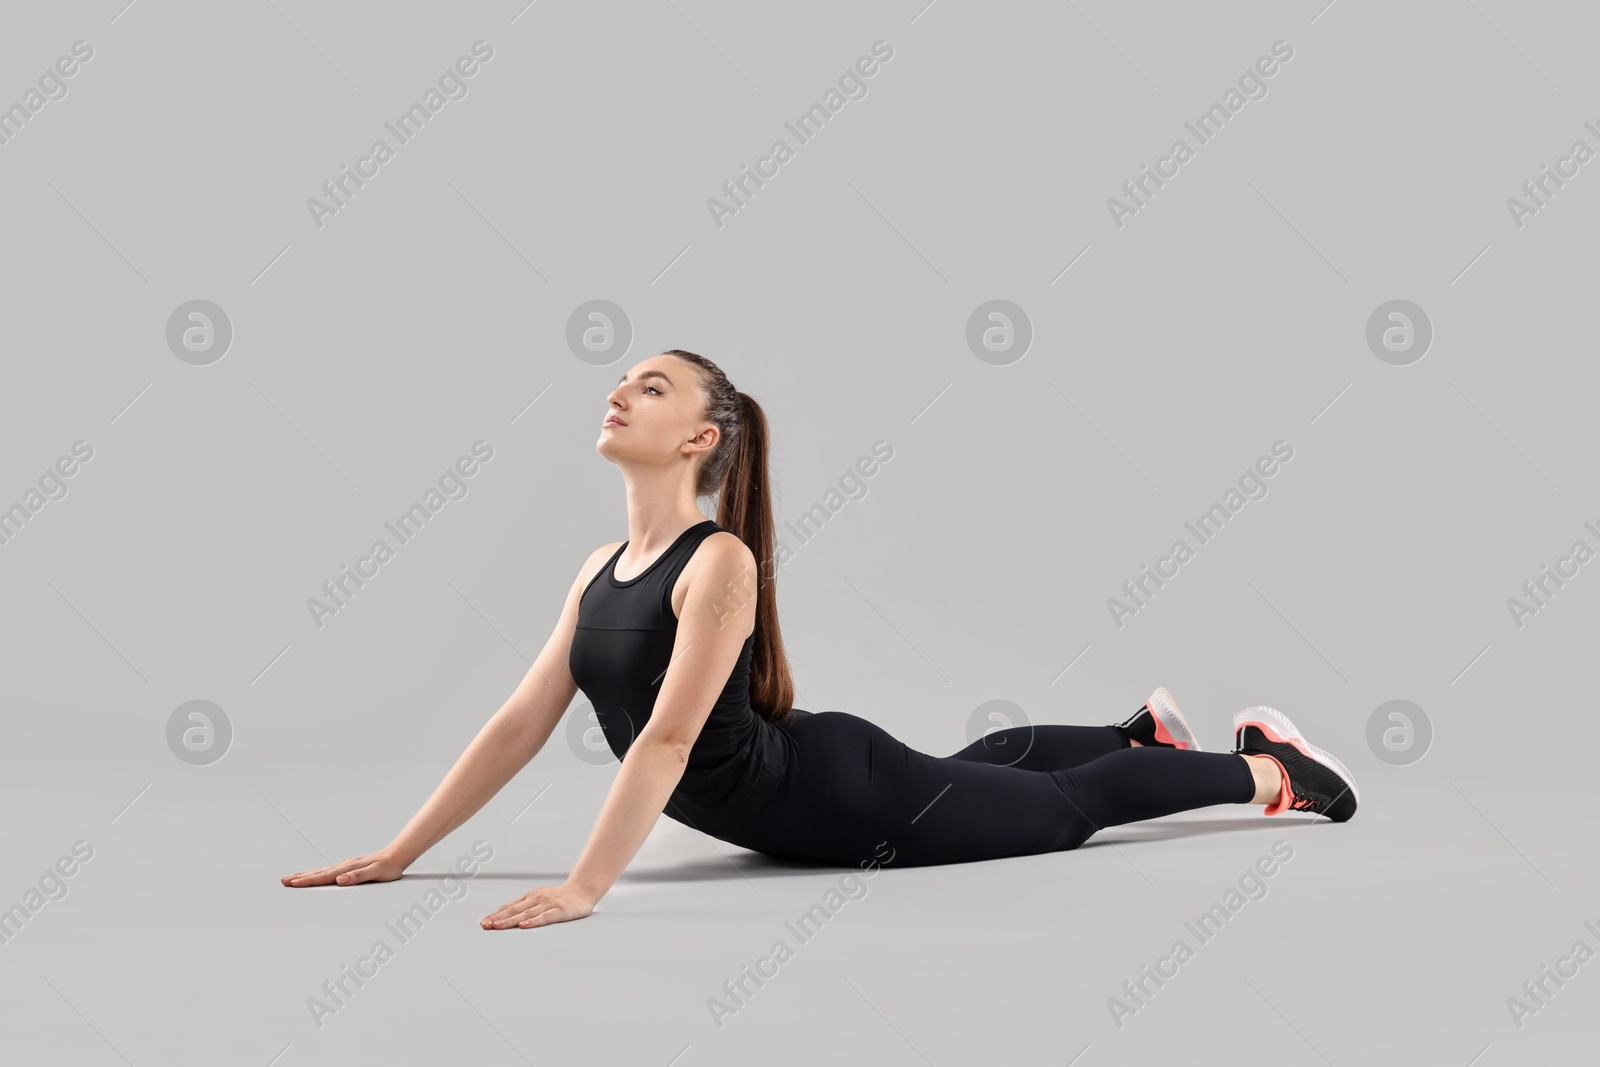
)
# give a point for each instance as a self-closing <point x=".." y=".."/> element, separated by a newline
<point x="376" y="867"/>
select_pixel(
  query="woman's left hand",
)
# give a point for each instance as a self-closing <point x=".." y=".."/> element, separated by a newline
<point x="542" y="906"/>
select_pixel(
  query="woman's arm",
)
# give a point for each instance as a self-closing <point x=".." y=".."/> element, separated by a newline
<point x="712" y="629"/>
<point x="512" y="737"/>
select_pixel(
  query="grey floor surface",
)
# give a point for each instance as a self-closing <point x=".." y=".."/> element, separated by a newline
<point x="1418" y="920"/>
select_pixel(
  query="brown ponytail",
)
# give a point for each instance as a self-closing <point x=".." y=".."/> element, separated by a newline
<point x="736" y="470"/>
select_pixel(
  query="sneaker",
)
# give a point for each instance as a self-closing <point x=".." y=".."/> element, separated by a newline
<point x="1159" y="724"/>
<point x="1313" y="780"/>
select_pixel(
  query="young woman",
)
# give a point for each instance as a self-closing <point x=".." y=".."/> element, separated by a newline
<point x="673" y="637"/>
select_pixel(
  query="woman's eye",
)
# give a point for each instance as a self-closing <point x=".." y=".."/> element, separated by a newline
<point x="652" y="389"/>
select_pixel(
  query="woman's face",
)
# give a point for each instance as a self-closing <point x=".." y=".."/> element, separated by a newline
<point x="653" y="413"/>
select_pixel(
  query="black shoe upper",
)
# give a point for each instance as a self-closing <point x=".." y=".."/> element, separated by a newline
<point x="1141" y="727"/>
<point x="1317" y="788"/>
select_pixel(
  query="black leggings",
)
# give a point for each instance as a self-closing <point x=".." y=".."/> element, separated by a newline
<point x="853" y="794"/>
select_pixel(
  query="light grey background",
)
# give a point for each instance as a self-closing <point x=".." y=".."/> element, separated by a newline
<point x="431" y="312"/>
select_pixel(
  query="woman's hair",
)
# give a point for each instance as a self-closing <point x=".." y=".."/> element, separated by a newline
<point x="736" y="470"/>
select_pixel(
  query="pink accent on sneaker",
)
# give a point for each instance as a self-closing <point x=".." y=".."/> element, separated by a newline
<point x="1161" y="731"/>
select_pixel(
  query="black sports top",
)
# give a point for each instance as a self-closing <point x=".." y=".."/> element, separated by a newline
<point x="620" y="652"/>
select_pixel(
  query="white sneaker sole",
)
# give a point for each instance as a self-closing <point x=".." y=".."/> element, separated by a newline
<point x="1166" y="710"/>
<point x="1276" y="725"/>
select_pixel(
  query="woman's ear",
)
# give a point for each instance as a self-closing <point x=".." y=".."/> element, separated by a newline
<point x="706" y="438"/>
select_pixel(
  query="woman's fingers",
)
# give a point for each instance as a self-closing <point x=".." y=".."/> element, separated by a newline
<point x="521" y="916"/>
<point x="504" y="913"/>
<point x="330" y="873"/>
<point x="540" y="915"/>
<point x="358" y="875"/>
<point x="540" y="907"/>
<point x="319" y="876"/>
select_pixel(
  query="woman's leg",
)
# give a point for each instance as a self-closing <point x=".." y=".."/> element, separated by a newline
<point x="1121" y="788"/>
<point x="1157" y="724"/>
<point x="1044" y="748"/>
<point x="854" y="791"/>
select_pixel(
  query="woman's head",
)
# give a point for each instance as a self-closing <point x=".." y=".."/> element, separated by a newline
<point x="660" y="404"/>
<point x="680" y="412"/>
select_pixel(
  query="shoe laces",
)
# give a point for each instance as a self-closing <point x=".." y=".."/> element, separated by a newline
<point x="1302" y="802"/>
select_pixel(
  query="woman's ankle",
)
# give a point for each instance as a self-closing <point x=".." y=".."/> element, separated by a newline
<point x="1268" y="778"/>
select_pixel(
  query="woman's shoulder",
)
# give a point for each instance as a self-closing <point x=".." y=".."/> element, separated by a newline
<point x="727" y="547"/>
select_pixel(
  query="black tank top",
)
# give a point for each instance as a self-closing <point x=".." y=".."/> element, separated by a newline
<point x="620" y="653"/>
